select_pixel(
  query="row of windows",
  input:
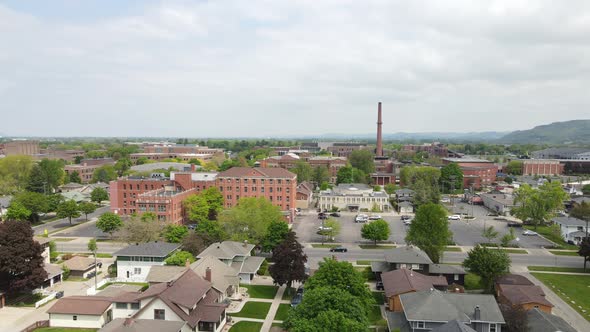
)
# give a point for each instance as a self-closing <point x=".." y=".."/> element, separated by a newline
<point x="123" y="305"/>
<point x="353" y="199"/>
<point x="253" y="181"/>
<point x="139" y="259"/>
<point x="254" y="189"/>
<point x="278" y="198"/>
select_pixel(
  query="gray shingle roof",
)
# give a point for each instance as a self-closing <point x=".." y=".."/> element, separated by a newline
<point x="150" y="249"/>
<point x="222" y="276"/>
<point x="437" y="306"/>
<point x="408" y="255"/>
<point x="539" y="321"/>
<point x="446" y="269"/>
<point x="453" y="326"/>
<point x="227" y="250"/>
<point x="251" y="264"/>
<point x="569" y="221"/>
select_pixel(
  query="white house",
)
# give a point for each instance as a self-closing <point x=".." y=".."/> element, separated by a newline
<point x="91" y="312"/>
<point x="573" y="230"/>
<point x="237" y="255"/>
<point x="134" y="262"/>
<point x="353" y="197"/>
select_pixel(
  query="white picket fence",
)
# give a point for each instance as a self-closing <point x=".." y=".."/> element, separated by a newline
<point x="46" y="299"/>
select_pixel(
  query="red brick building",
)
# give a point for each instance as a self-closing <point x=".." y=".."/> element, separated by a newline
<point x="87" y="167"/>
<point x="289" y="161"/>
<point x="477" y="173"/>
<point x="345" y="149"/>
<point x="433" y="149"/>
<point x="542" y="167"/>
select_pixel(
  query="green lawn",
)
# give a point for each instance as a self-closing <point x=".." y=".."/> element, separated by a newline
<point x="288" y="293"/>
<point x="144" y="285"/>
<point x="261" y="291"/>
<point x="379" y="297"/>
<point x="511" y="251"/>
<point x="379" y="246"/>
<point x="363" y="262"/>
<point x="63" y="329"/>
<point x="564" y="253"/>
<point x="375" y="315"/>
<point x="573" y="289"/>
<point x="283" y="311"/>
<point x="454" y="249"/>
<point x="99" y="255"/>
<point x="77" y="279"/>
<point x="472" y="281"/>
<point x="24" y="299"/>
<point x="558" y="269"/>
<point x="253" y="309"/>
<point x="546" y="232"/>
<point x="246" y="327"/>
<point x="325" y="246"/>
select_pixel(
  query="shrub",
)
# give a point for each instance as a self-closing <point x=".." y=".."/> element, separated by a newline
<point x="66" y="273"/>
<point x="263" y="268"/>
<point x="66" y="257"/>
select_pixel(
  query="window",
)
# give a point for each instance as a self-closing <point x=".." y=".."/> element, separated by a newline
<point x="261" y="189"/>
<point x="493" y="327"/>
<point x="74" y="317"/>
<point x="160" y="314"/>
<point x="135" y="306"/>
<point x="124" y="186"/>
<point x="415" y="266"/>
<point x="420" y="325"/>
<point x="137" y="270"/>
<point x="121" y="305"/>
<point x="124" y="195"/>
<point x="456" y="277"/>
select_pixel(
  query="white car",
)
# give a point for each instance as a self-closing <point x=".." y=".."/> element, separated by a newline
<point x="324" y="229"/>
<point x="361" y="218"/>
<point x="529" y="233"/>
<point x="455" y="217"/>
<point x="408" y="222"/>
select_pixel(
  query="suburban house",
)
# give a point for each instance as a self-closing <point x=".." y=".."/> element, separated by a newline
<point x="80" y="266"/>
<point x="236" y="255"/>
<point x="431" y="309"/>
<point x="189" y="300"/>
<point x="412" y="258"/>
<point x="224" y="278"/>
<point x="134" y="262"/>
<point x="573" y="230"/>
<point x="518" y="291"/>
<point x="402" y="281"/>
<point x="91" y="312"/>
<point x="142" y="325"/>
<point x="54" y="272"/>
<point x="405" y="207"/>
<point x="539" y="321"/>
<point x="452" y="326"/>
<point x="404" y="195"/>
<point x="304" y="195"/>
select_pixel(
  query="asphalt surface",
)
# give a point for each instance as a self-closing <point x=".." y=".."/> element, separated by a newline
<point x="59" y="224"/>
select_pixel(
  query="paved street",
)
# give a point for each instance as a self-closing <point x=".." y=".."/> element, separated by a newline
<point x="80" y="245"/>
<point x="56" y="225"/>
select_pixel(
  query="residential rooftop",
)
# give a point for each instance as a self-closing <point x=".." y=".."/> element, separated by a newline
<point x="149" y="249"/>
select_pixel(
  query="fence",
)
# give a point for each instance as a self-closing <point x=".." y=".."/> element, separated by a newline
<point x="36" y="325"/>
<point x="46" y="299"/>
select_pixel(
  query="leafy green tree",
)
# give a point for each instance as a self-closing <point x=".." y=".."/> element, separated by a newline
<point x="21" y="260"/>
<point x="320" y="175"/>
<point x="214" y="200"/>
<point x="586" y="189"/>
<point x="35" y="202"/>
<point x="389" y="188"/>
<point x="37" y="182"/>
<point x="175" y="233"/>
<point x="585" y="250"/>
<point x="490" y="233"/>
<point x="122" y="165"/>
<point x="14" y="173"/>
<point x="53" y="202"/>
<point x="74" y="177"/>
<point x="211" y="231"/>
<point x="324" y="186"/>
<point x="582" y="212"/>
<point x="377" y="188"/>
<point x="46" y="176"/>
<point x="514" y="167"/>
<point x="98" y="195"/>
<point x="331" y="228"/>
<point x="193" y="243"/>
<point x="195" y="161"/>
<point x="17" y="211"/>
<point x="179" y="258"/>
<point x="429" y="175"/>
<point x="377" y="230"/>
<point x="328" y="308"/>
<point x="92" y="247"/>
<point x="142" y="160"/>
<point x="289" y="261"/>
<point x="141" y="230"/>
<point x="197" y="208"/>
<point x="537" y="205"/>
<point x="350" y="174"/>
<point x="488" y="264"/>
<point x="250" y="218"/>
<point x="277" y="232"/>
<point x="104" y="173"/>
<point x="451" y="177"/>
<point x="109" y="222"/>
<point x="429" y="231"/>
<point x="424" y="193"/>
<point x="68" y="209"/>
<point x="303" y="171"/>
<point x="86" y="208"/>
<point x="507" y="238"/>
<point x="362" y="160"/>
<point x="148" y="217"/>
<point x="341" y="275"/>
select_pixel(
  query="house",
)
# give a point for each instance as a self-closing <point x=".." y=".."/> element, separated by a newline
<point x="407" y="257"/>
<point x="189" y="299"/>
<point x="143" y="325"/>
<point x="431" y="309"/>
<point x="573" y="230"/>
<point x="405" y="207"/>
<point x="453" y="326"/>
<point x="398" y="282"/>
<point x="404" y="195"/>
<point x="134" y="262"/>
<point x="304" y="195"/>
<point x="54" y="275"/>
<point x="539" y="321"/>
<point x="81" y="266"/>
<point x="91" y="312"/>
<point x="236" y="255"/>
<point x="517" y="290"/>
<point x="353" y="197"/>
<point x="455" y="274"/>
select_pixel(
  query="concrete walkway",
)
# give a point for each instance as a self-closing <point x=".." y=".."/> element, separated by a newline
<point x="273" y="310"/>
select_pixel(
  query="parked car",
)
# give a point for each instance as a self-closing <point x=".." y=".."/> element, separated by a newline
<point x="324" y="228"/>
<point x="59" y="294"/>
<point x="408" y="222"/>
<point x="300" y="290"/>
<point x="455" y="217"/>
<point x="380" y="285"/>
<point x="338" y="249"/>
<point x="361" y="218"/>
<point x="322" y="215"/>
<point x="530" y="233"/>
<point x="375" y="217"/>
<point x="335" y="214"/>
<point x="514" y="224"/>
<point x="296" y="300"/>
<point x="192" y="227"/>
<point x="406" y="217"/>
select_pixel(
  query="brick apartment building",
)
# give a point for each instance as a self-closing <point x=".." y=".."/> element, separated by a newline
<point x="385" y="171"/>
<point x="21" y="147"/>
<point x="289" y="161"/>
<point x="345" y="149"/>
<point x="164" y="196"/>
<point x="433" y="149"/>
<point x="86" y="167"/>
<point x="477" y="173"/>
<point x="542" y="167"/>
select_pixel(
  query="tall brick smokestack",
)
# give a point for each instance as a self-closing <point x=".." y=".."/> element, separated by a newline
<point x="379" y="151"/>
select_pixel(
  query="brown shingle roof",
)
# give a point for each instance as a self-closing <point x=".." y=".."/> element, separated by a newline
<point x="79" y="263"/>
<point x="522" y="294"/>
<point x="513" y="279"/>
<point x="81" y="305"/>
<point x="242" y="172"/>
<point x="402" y="281"/>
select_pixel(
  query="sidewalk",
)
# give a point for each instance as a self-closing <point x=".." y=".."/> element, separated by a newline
<point x="273" y="310"/>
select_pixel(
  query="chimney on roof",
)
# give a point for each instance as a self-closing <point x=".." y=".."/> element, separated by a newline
<point x="208" y="274"/>
<point x="477" y="313"/>
<point x="128" y="321"/>
<point x="379" y="150"/>
<point x="245" y="243"/>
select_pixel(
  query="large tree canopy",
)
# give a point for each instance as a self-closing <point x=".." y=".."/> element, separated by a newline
<point x="363" y="160"/>
<point x="451" y="177"/>
<point x="429" y="230"/>
<point x="377" y="230"/>
<point x="14" y="173"/>
<point x="488" y="264"/>
<point x="289" y="261"/>
<point x="538" y="205"/>
<point x="250" y="218"/>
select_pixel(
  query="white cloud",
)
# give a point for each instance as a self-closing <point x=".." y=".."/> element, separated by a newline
<point x="262" y="68"/>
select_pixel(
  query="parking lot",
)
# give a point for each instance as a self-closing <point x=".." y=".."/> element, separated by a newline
<point x="465" y="232"/>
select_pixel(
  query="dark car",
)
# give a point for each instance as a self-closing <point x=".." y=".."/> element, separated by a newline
<point x="335" y="214"/>
<point x="300" y="290"/>
<point x="515" y="224"/>
<point x="338" y="249"/>
<point x="404" y="217"/>
<point x="380" y="285"/>
<point x="322" y="215"/>
<point x="296" y="300"/>
<point x="59" y="294"/>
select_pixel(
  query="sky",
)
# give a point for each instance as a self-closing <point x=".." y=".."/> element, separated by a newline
<point x="271" y="68"/>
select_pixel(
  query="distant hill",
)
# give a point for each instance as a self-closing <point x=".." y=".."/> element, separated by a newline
<point x="568" y="132"/>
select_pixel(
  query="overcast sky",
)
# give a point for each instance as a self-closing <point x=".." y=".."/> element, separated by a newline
<point x="298" y="67"/>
